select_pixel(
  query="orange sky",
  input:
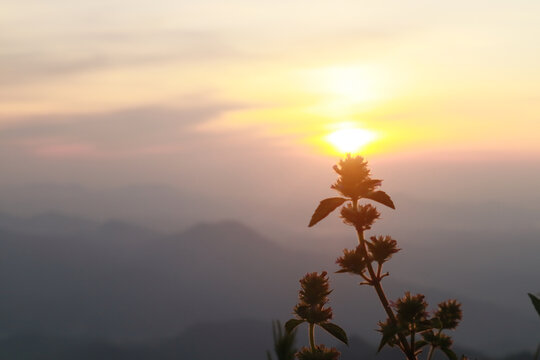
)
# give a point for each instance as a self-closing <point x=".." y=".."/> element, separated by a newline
<point x="421" y="75"/>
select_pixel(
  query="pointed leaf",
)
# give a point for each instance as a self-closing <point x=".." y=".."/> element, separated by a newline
<point x="381" y="197"/>
<point x="325" y="207"/>
<point x="536" y="302"/>
<point x="336" y="332"/>
<point x="451" y="355"/>
<point x="383" y="342"/>
<point x="292" y="324"/>
<point x="389" y="331"/>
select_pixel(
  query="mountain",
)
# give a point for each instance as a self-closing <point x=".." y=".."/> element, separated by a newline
<point x="122" y="282"/>
<point x="230" y="340"/>
<point x="475" y="245"/>
<point x="236" y="340"/>
<point x="50" y="223"/>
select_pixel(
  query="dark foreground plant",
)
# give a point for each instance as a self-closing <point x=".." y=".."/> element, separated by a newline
<point x="283" y="342"/>
<point x="312" y="308"/>
<point x="409" y="326"/>
<point x="536" y="303"/>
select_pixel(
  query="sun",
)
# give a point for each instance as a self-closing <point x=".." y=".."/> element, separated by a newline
<point x="350" y="140"/>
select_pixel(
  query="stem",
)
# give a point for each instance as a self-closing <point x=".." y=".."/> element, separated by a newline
<point x="312" y="337"/>
<point x="382" y="296"/>
<point x="413" y="331"/>
<point x="432" y="349"/>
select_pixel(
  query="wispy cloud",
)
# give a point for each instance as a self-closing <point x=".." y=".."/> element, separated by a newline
<point x="136" y="131"/>
<point x="94" y="51"/>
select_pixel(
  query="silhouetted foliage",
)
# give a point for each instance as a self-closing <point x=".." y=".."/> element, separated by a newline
<point x="312" y="308"/>
<point x="536" y="303"/>
<point x="283" y="342"/>
<point x="409" y="326"/>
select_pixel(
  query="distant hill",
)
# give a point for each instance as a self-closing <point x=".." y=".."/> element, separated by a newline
<point x="124" y="283"/>
<point x="238" y="340"/>
<point x="495" y="238"/>
<point x="231" y="340"/>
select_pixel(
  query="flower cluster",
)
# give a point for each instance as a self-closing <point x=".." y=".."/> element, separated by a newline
<point x="354" y="183"/>
<point x="412" y="318"/>
<point x="353" y="261"/>
<point x="379" y="249"/>
<point x="355" y="180"/>
<point x="411" y="310"/>
<point x="449" y="314"/>
<point x="311" y="308"/>
<point x="361" y="217"/>
<point x="313" y="297"/>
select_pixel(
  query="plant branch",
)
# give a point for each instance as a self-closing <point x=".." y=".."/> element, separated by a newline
<point x="413" y="332"/>
<point x="382" y="296"/>
<point x="432" y="349"/>
<point x="368" y="280"/>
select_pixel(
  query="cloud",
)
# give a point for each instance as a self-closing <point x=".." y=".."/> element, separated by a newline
<point x="91" y="51"/>
<point x="66" y="150"/>
<point x="152" y="130"/>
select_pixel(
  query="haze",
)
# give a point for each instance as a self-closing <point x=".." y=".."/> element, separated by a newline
<point x="172" y="113"/>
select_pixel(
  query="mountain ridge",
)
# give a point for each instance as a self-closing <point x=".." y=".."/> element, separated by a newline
<point x="126" y="289"/>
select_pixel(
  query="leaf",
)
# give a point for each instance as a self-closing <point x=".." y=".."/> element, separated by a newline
<point x="336" y="332"/>
<point x="381" y="197"/>
<point x="420" y="344"/>
<point x="451" y="355"/>
<point x="325" y="207"/>
<point x="383" y="342"/>
<point x="388" y="330"/>
<point x="536" y="302"/>
<point x="292" y="324"/>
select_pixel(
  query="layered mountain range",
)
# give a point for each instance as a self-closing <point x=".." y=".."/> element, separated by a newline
<point x="64" y="277"/>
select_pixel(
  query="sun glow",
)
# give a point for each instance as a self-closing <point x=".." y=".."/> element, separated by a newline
<point x="350" y="140"/>
<point x="346" y="85"/>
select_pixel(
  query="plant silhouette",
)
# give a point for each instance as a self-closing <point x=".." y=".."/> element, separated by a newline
<point x="536" y="303"/>
<point x="283" y="342"/>
<point x="409" y="326"/>
<point x="312" y="308"/>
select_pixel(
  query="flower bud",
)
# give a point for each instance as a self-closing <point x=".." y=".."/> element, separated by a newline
<point x="315" y="288"/>
<point x="411" y="309"/>
<point x="381" y="248"/>
<point x="354" y="181"/>
<point x="361" y="218"/>
<point x="313" y="314"/>
<point x="352" y="261"/>
<point x="449" y="314"/>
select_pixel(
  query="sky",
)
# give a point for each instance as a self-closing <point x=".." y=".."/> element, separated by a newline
<point x="237" y="99"/>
